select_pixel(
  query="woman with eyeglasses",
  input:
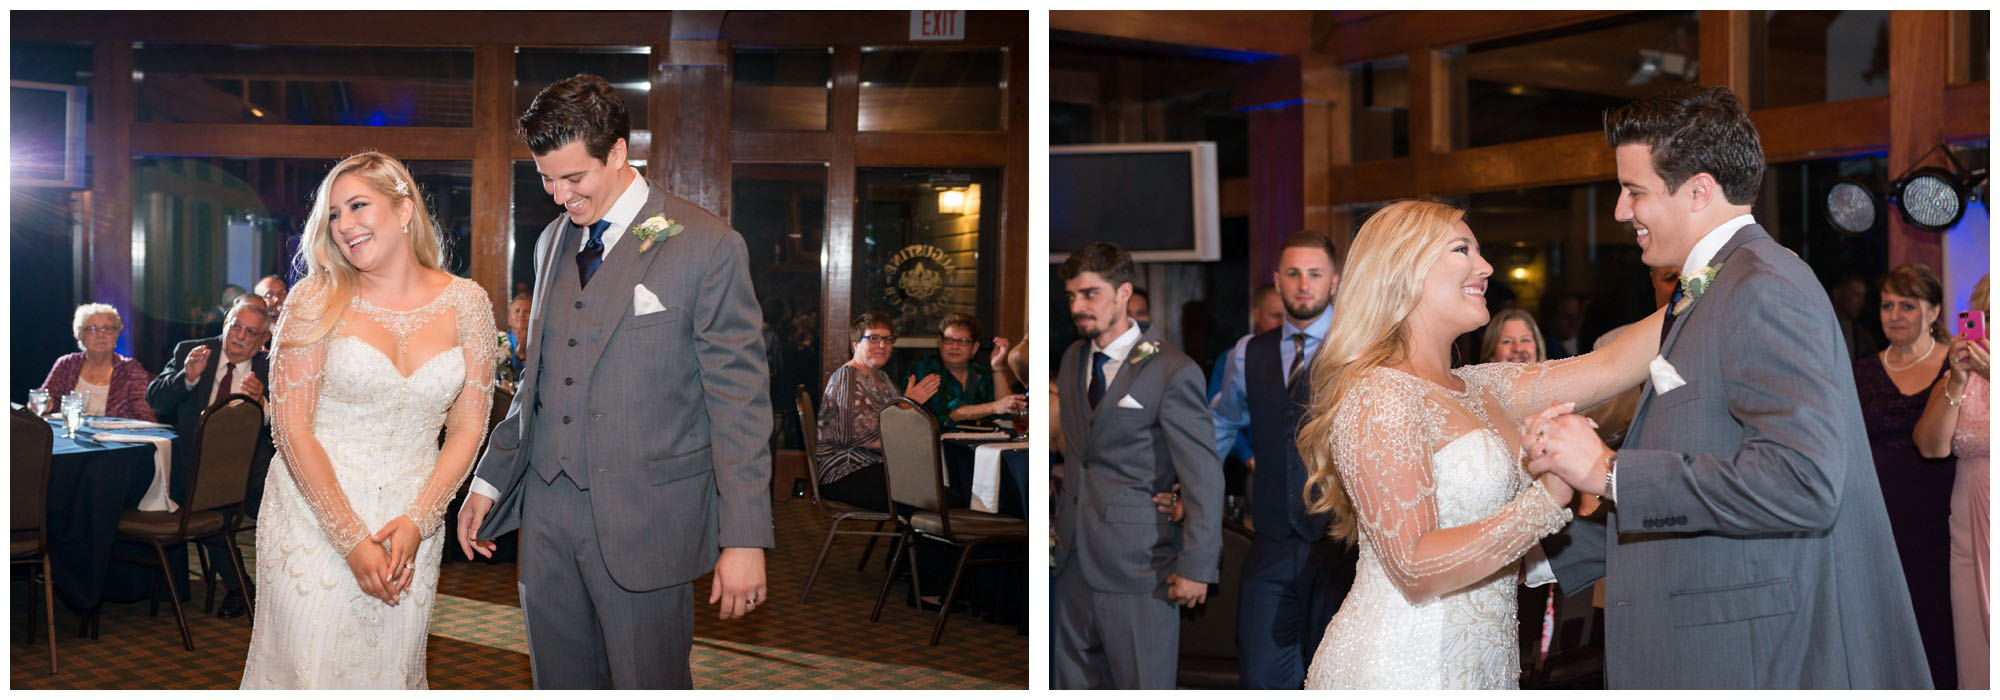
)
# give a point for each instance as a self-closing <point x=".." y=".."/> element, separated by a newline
<point x="966" y="389"/>
<point x="850" y="433"/>
<point x="115" y="384"/>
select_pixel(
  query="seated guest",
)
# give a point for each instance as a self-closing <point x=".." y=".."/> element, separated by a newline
<point x="272" y="290"/>
<point x="202" y="372"/>
<point x="850" y="432"/>
<point x="115" y="384"/>
<point x="1512" y="336"/>
<point x="517" y="332"/>
<point x="966" y="388"/>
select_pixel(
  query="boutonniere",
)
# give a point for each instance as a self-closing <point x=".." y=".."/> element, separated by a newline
<point x="1145" y="350"/>
<point x="506" y="342"/>
<point x="654" y="230"/>
<point x="1692" y="287"/>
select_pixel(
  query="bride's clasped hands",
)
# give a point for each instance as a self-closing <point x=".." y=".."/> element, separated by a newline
<point x="384" y="564"/>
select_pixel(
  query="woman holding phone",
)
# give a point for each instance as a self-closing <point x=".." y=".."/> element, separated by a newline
<point x="1955" y="423"/>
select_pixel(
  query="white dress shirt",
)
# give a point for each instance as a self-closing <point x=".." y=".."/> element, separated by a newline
<point x="1117" y="350"/>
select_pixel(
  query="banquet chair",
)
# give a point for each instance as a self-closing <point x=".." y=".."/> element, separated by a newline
<point x="33" y="450"/>
<point x="225" y="441"/>
<point x="915" y="472"/>
<point x="836" y="510"/>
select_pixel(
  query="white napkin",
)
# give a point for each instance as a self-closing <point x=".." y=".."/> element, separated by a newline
<point x="1665" y="377"/>
<point x="973" y="436"/>
<point x="156" y="494"/>
<point x="123" y="424"/>
<point x="986" y="475"/>
<point x="644" y="302"/>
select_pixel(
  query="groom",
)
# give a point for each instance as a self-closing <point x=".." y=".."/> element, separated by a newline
<point x="1746" y="545"/>
<point x="634" y="457"/>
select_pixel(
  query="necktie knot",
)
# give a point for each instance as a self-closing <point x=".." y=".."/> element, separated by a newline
<point x="597" y="231"/>
<point x="592" y="254"/>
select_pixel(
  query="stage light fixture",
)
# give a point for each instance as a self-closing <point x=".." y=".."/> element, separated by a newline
<point x="1851" y="206"/>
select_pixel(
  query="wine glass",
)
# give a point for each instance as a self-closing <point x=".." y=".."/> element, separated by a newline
<point x="38" y="401"/>
<point x="72" y="410"/>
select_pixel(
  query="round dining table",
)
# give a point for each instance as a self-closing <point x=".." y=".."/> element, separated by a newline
<point x="91" y="484"/>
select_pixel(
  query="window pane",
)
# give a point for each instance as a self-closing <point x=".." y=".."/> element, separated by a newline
<point x="624" y="68"/>
<point x="781" y="212"/>
<point x="199" y="224"/>
<point x="1561" y="81"/>
<point x="304" y="85"/>
<point x="781" y="89"/>
<point x="933" y="89"/>
<point x="921" y="254"/>
<point x="1380" y="92"/>
<point x="1812" y="56"/>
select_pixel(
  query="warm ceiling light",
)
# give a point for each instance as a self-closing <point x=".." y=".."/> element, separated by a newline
<point x="951" y="201"/>
<point x="1520" y="273"/>
<point x="255" y="112"/>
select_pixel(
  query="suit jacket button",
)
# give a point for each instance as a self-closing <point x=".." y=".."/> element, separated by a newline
<point x="568" y="381"/>
<point x="572" y="342"/>
<point x="579" y="304"/>
<point x="565" y="420"/>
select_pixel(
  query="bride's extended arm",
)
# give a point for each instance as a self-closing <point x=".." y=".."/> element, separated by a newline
<point x="296" y="369"/>
<point x="1586" y="380"/>
<point x="1383" y="454"/>
<point x="465" y="422"/>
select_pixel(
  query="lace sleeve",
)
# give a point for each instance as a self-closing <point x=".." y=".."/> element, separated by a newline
<point x="465" y="421"/>
<point x="1588" y="380"/>
<point x="1385" y="434"/>
<point x="296" y="369"/>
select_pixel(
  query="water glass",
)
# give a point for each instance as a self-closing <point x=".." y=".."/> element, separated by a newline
<point x="72" y="410"/>
<point x="38" y="401"/>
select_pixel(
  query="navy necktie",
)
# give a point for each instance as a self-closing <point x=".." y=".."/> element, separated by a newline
<point x="1097" y="361"/>
<point x="1668" y="326"/>
<point x="592" y="254"/>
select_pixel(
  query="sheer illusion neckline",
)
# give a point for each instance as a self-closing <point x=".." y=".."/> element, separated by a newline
<point x="378" y="308"/>
<point x="1469" y="391"/>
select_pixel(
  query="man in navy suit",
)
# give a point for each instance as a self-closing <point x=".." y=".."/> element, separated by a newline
<point x="1293" y="577"/>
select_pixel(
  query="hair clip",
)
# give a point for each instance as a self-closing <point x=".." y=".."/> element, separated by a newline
<point x="402" y="188"/>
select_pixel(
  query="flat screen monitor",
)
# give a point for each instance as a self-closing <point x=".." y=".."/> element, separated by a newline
<point x="1156" y="200"/>
<point x="47" y="135"/>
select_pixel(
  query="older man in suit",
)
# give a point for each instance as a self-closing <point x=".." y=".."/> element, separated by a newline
<point x="202" y="372"/>
<point x="634" y="458"/>
<point x="1745" y="543"/>
<point x="1135" y="424"/>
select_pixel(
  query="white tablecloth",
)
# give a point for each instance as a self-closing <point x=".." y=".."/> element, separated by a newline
<point x="163" y="460"/>
<point x="985" y="490"/>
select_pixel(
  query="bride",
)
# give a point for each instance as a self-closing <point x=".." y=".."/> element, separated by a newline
<point x="377" y="350"/>
<point x="1424" y="461"/>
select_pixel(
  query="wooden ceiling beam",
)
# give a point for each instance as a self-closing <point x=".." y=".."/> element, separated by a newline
<point x="1282" y="33"/>
<point x="1359" y="36"/>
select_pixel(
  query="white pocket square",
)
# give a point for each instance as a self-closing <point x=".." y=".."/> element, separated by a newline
<point x="1129" y="402"/>
<point x="1665" y="377"/>
<point x="643" y="301"/>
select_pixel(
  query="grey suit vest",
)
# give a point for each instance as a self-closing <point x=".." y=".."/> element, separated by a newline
<point x="571" y="340"/>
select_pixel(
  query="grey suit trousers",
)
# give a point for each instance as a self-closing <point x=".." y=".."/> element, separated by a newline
<point x="1111" y="640"/>
<point x="584" y="631"/>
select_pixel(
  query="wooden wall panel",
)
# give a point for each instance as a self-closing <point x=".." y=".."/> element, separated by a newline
<point x="109" y="252"/>
<point x="493" y="173"/>
<point x="837" y="267"/>
<point x="1917" y="71"/>
<point x="1262" y="31"/>
<point x="299" y="141"/>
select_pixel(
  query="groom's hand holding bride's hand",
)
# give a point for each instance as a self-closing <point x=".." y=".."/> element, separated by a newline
<point x="1566" y="445"/>
<point x="739" y="582"/>
<point x="470" y="516"/>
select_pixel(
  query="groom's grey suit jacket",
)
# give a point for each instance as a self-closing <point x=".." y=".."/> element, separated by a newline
<point x="1748" y="546"/>
<point x="1115" y="458"/>
<point x="675" y="411"/>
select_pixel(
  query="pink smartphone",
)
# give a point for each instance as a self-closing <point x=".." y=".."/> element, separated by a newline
<point x="1972" y="325"/>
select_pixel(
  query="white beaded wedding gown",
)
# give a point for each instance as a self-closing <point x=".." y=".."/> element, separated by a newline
<point x="357" y="446"/>
<point x="1445" y="513"/>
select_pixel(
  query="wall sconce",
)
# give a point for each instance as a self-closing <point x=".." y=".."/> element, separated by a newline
<point x="951" y="201"/>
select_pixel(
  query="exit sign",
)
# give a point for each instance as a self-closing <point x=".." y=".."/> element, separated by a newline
<point x="937" y="25"/>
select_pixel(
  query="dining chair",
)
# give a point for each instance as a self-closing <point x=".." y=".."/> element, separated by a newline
<point x="225" y="443"/>
<point x="915" y="472"/>
<point x="838" y="511"/>
<point x="33" y="450"/>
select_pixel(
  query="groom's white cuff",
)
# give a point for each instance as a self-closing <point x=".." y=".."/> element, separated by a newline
<point x="479" y="486"/>
<point x="1538" y="573"/>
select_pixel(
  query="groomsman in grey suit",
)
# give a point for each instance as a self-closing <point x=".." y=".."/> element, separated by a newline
<point x="1136" y="422"/>
<point x="634" y="457"/>
<point x="1746" y="544"/>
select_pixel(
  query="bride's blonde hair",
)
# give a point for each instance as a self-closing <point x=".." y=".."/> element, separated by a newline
<point x="320" y="255"/>
<point x="1381" y="284"/>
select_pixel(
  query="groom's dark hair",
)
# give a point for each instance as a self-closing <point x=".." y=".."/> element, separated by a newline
<point x="582" y="107"/>
<point x="1106" y="259"/>
<point x="1694" y="129"/>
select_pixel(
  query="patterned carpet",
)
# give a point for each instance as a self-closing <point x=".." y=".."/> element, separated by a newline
<point x="476" y="639"/>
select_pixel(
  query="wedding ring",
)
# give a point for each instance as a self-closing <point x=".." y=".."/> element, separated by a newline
<point x="411" y="566"/>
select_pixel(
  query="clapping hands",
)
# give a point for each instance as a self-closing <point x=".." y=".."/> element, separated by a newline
<point x="922" y="390"/>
